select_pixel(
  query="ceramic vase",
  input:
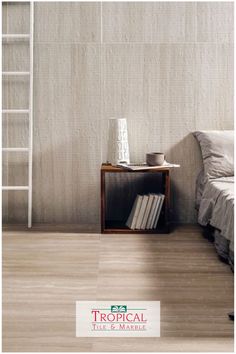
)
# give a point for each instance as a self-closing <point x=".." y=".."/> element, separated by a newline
<point x="118" y="146"/>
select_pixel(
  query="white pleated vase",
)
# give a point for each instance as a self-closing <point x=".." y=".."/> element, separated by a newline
<point x="118" y="145"/>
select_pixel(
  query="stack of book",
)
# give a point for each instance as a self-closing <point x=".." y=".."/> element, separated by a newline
<point x="145" y="212"/>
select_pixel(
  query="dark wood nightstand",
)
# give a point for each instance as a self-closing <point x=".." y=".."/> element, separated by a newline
<point x="160" y="183"/>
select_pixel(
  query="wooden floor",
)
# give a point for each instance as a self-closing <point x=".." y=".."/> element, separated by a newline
<point x="45" y="273"/>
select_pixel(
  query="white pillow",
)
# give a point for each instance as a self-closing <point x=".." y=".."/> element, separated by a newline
<point x="217" y="152"/>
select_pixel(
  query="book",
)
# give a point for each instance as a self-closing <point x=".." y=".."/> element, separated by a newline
<point x="144" y="166"/>
<point x="134" y="212"/>
<point x="141" y="212"/>
<point x="158" y="199"/>
<point x="150" y="217"/>
<point x="162" y="197"/>
<point x="131" y="215"/>
<point x="147" y="211"/>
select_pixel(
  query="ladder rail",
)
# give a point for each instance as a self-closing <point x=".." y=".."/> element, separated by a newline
<point x="29" y="111"/>
<point x="30" y="145"/>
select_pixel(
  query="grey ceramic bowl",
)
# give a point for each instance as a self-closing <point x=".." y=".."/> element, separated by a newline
<point x="155" y="158"/>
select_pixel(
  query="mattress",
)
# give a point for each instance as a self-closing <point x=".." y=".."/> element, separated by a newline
<point x="217" y="209"/>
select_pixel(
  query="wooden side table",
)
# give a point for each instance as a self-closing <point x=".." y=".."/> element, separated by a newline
<point x="118" y="226"/>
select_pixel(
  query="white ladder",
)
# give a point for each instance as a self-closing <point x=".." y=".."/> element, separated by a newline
<point x="28" y="110"/>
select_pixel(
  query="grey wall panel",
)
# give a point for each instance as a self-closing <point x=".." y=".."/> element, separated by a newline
<point x="15" y="17"/>
<point x="166" y="67"/>
<point x="15" y="55"/>
<point x="149" y="22"/>
<point x="67" y="134"/>
<point x="70" y="22"/>
<point x="215" y="22"/>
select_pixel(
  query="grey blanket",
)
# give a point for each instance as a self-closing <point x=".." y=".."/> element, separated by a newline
<point x="217" y="207"/>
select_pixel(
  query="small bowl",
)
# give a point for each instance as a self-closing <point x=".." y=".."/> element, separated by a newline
<point x="155" y="158"/>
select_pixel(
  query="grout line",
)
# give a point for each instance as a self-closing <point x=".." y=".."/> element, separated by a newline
<point x="131" y="43"/>
<point x="101" y="141"/>
<point x="195" y="23"/>
<point x="101" y="85"/>
<point x="101" y="22"/>
<point x="101" y="89"/>
<point x="169" y="43"/>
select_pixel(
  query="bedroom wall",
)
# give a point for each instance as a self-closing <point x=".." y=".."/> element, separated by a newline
<point x="166" y="67"/>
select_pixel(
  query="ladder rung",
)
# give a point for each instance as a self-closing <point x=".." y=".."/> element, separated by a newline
<point x="15" y="188"/>
<point x="15" y="111"/>
<point x="15" y="73"/>
<point x="15" y="149"/>
<point x="15" y="36"/>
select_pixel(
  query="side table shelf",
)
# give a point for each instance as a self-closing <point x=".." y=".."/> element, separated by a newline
<point x="118" y="226"/>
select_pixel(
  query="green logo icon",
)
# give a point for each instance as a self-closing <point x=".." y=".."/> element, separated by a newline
<point x="118" y="308"/>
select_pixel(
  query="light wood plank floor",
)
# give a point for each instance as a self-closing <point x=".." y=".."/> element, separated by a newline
<point x="44" y="273"/>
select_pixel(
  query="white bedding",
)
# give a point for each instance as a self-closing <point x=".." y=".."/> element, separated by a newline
<point x="217" y="207"/>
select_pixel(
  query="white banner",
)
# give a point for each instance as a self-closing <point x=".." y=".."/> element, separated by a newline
<point x="118" y="319"/>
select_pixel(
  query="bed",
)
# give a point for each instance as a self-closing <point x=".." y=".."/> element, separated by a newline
<point x="215" y="189"/>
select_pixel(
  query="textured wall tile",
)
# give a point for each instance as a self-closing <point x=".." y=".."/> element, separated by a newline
<point x="86" y="82"/>
<point x="53" y="60"/>
<point x="15" y="207"/>
<point x="146" y="138"/>
<point x="85" y="172"/>
<point x="149" y="61"/>
<point x="187" y="205"/>
<point x="214" y="104"/>
<point x="173" y="98"/>
<point x="214" y="61"/>
<point x="15" y="17"/>
<point x="52" y="181"/>
<point x="15" y="130"/>
<point x="52" y="113"/>
<point x="215" y="21"/>
<point x="15" y="56"/>
<point x="147" y="22"/>
<point x="123" y="96"/>
<point x="183" y="150"/>
<point x="15" y="92"/>
<point x="15" y="171"/>
<point x="70" y="193"/>
<point x="67" y="140"/>
<point x="166" y="67"/>
<point x="123" y="60"/>
<point x="177" y="61"/>
<point x="122" y="80"/>
<point x="70" y="22"/>
<point x="137" y="77"/>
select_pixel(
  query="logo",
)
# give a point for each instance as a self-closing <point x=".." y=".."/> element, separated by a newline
<point x="106" y="319"/>
<point x="118" y="308"/>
